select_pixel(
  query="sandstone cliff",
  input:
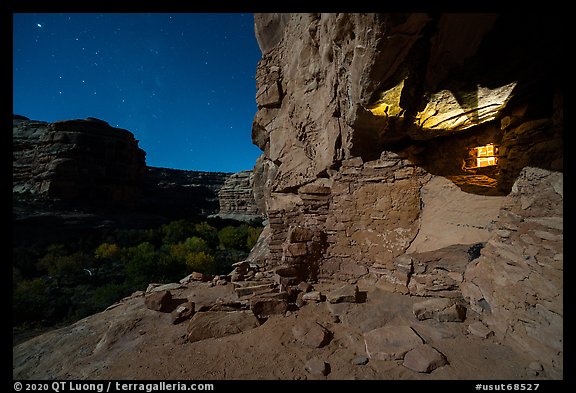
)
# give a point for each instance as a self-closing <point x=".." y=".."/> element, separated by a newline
<point x="177" y="193"/>
<point x="386" y="136"/>
<point x="406" y="154"/>
<point x="72" y="176"/>
<point x="236" y="198"/>
<point x="517" y="283"/>
<point x="77" y="160"/>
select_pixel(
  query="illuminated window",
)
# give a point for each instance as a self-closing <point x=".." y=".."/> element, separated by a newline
<point x="482" y="156"/>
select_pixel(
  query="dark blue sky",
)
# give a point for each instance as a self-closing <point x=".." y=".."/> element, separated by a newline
<point x="182" y="83"/>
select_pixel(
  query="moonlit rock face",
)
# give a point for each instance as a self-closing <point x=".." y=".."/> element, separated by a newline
<point x="77" y="160"/>
<point x="382" y="112"/>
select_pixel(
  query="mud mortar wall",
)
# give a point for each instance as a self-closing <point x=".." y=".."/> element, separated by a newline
<point x="366" y="122"/>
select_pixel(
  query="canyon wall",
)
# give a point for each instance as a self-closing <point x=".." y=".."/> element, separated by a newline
<point x="77" y="160"/>
<point x="72" y="176"/>
<point x="236" y="198"/>
<point x="177" y="193"/>
<point x="388" y="136"/>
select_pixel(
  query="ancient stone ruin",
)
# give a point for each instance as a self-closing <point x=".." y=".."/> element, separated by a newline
<point x="411" y="183"/>
<point x="386" y="137"/>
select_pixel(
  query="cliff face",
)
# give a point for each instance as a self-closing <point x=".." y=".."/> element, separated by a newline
<point x="77" y="160"/>
<point x="180" y="193"/>
<point x="72" y="176"/>
<point x="386" y="136"/>
<point x="236" y="198"/>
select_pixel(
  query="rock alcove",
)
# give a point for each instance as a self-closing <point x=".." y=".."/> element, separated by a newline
<point x="389" y="136"/>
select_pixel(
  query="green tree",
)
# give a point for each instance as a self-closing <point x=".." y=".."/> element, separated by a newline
<point x="71" y="268"/>
<point x="208" y="233"/>
<point x="233" y="237"/>
<point x="30" y="300"/>
<point x="176" y="231"/>
<point x="25" y="259"/>
<point x="107" y="251"/>
<point x="142" y="265"/>
<point x="252" y="236"/>
<point x="194" y="253"/>
<point x="199" y="262"/>
<point x="132" y="237"/>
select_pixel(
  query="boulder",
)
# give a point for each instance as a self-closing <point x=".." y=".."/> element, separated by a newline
<point x="182" y="312"/>
<point x="346" y="293"/>
<point x="157" y="301"/>
<point x="424" y="359"/>
<point x="390" y="342"/>
<point x="311" y="334"/>
<point x="313" y="296"/>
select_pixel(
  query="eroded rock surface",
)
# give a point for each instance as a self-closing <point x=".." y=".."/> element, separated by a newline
<point x="357" y="111"/>
<point x="387" y="137"/>
<point x="516" y="284"/>
<point x="236" y="198"/>
<point x="77" y="160"/>
<point x="363" y="120"/>
<point x="224" y="340"/>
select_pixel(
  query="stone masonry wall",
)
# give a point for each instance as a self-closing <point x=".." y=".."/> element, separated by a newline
<point x="359" y="113"/>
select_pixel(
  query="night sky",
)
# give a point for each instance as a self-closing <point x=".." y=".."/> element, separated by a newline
<point x="183" y="84"/>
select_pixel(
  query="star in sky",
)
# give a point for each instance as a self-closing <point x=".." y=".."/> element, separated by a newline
<point x="164" y="77"/>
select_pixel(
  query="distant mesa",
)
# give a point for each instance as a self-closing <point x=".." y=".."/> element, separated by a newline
<point x="86" y="165"/>
<point x="236" y="198"/>
<point x="20" y="117"/>
<point x="77" y="160"/>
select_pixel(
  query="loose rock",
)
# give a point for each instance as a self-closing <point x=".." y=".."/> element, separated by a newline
<point x="424" y="359"/>
<point x="441" y="309"/>
<point x="183" y="312"/>
<point x="480" y="330"/>
<point x="347" y="293"/>
<point x="311" y="334"/>
<point x="390" y="342"/>
<point x="312" y="296"/>
<point x="163" y="287"/>
<point x="157" y="301"/>
<point x="360" y="360"/>
<point x="304" y="286"/>
<point x="316" y="366"/>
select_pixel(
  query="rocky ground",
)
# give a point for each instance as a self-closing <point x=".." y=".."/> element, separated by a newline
<point x="337" y="332"/>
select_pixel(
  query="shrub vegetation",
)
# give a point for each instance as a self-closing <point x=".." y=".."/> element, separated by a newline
<point x="65" y="282"/>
